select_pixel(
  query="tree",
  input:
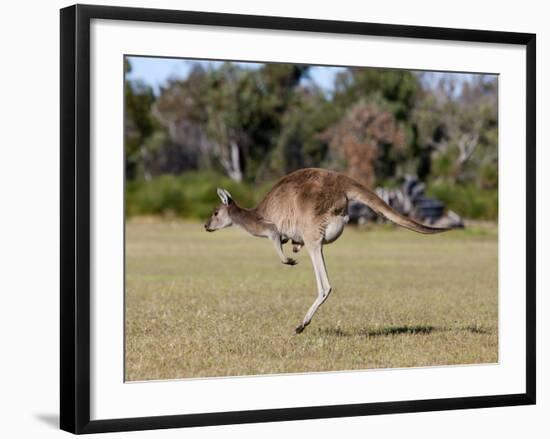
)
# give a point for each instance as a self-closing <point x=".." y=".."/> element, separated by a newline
<point x="392" y="91"/>
<point x="298" y="143"/>
<point x="234" y="112"/>
<point x="138" y="122"/>
<point x="398" y="89"/>
<point x="362" y="138"/>
<point x="458" y="123"/>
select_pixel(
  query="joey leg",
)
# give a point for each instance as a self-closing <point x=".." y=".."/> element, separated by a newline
<point x="276" y="239"/>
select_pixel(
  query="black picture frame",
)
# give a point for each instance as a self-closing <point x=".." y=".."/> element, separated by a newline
<point x="75" y="217"/>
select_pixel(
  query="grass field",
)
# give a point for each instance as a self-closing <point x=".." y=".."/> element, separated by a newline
<point x="216" y="304"/>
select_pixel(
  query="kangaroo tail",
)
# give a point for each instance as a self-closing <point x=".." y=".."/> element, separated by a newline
<point x="360" y="193"/>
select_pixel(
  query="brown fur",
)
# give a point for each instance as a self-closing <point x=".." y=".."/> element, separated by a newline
<point x="301" y="203"/>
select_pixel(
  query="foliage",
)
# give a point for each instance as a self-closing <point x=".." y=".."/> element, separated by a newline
<point x="190" y="195"/>
<point x="468" y="199"/>
<point x="398" y="88"/>
<point x="461" y="131"/>
<point x="139" y="124"/>
<point x="254" y="125"/>
<point x="235" y="114"/>
<point x="193" y="194"/>
<point x="361" y="138"/>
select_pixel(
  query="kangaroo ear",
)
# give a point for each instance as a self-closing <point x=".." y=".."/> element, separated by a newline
<point x="223" y="196"/>
<point x="229" y="197"/>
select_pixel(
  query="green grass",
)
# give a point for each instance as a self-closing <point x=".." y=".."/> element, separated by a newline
<point x="219" y="304"/>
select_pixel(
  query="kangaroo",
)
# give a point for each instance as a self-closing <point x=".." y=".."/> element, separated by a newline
<point x="309" y="208"/>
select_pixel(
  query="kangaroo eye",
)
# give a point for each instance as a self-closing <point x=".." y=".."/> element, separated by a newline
<point x="215" y="213"/>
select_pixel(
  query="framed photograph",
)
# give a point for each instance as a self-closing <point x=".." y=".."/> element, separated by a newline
<point x="388" y="169"/>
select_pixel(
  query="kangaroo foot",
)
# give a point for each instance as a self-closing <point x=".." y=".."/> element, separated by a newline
<point x="300" y="328"/>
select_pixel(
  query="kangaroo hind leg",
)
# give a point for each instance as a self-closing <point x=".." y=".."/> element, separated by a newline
<point x="323" y="286"/>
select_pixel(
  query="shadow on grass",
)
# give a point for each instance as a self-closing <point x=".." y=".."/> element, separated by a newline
<point x="476" y="329"/>
<point x="396" y="330"/>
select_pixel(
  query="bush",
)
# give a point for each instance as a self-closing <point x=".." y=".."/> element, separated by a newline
<point x="190" y="195"/>
<point x="467" y="200"/>
<point x="193" y="195"/>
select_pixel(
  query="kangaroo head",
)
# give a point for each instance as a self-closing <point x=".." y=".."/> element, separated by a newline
<point x="220" y="218"/>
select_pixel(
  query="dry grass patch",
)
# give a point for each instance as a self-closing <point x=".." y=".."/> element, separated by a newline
<point x="220" y="304"/>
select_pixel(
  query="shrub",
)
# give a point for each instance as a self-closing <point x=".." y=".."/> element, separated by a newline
<point x="467" y="200"/>
<point x="190" y="195"/>
<point x="193" y="195"/>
